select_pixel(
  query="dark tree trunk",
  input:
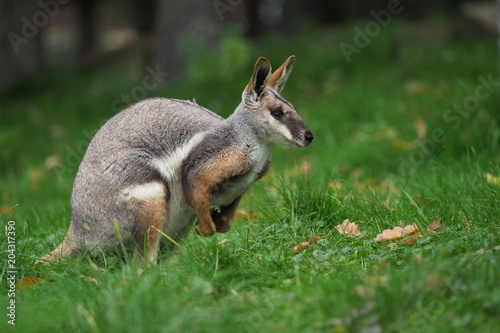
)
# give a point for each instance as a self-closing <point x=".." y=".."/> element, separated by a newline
<point x="144" y="14"/>
<point x="86" y="19"/>
<point x="254" y="24"/>
<point x="20" y="40"/>
<point x="179" y="21"/>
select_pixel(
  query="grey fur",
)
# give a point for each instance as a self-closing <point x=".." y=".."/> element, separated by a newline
<point x="169" y="142"/>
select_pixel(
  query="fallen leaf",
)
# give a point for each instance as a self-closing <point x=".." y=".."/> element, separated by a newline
<point x="89" y="279"/>
<point x="27" y="282"/>
<point x="405" y="241"/>
<point x="415" y="87"/>
<point x="222" y="242"/>
<point x="336" y="184"/>
<point x="52" y="162"/>
<point x="362" y="291"/>
<point x="493" y="180"/>
<point x="468" y="223"/>
<point x="409" y="241"/>
<point x="390" y="133"/>
<point x="348" y="228"/>
<point x="244" y="214"/>
<point x="35" y="174"/>
<point x="303" y="245"/>
<point x="435" y="226"/>
<point x="56" y="131"/>
<point x="420" y="128"/>
<point x="433" y="282"/>
<point x="397" y="232"/>
<point x="403" y="144"/>
<point x="6" y="210"/>
<point x="303" y="169"/>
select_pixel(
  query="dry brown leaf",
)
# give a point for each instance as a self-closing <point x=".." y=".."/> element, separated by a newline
<point x="6" y="210"/>
<point x="435" y="226"/>
<point x="244" y="214"/>
<point x="348" y="228"/>
<point x="468" y="223"/>
<point x="303" y="169"/>
<point x="336" y="184"/>
<point x="405" y="241"/>
<point x="397" y="232"/>
<point x="420" y="128"/>
<point x="362" y="291"/>
<point x="27" y="282"/>
<point x="410" y="240"/>
<point x="56" y="131"/>
<point x="303" y="245"/>
<point x="393" y="245"/>
<point x="403" y="144"/>
<point x="415" y="87"/>
<point x="35" y="174"/>
<point x="494" y="180"/>
<point x="52" y="162"/>
<point x="89" y="279"/>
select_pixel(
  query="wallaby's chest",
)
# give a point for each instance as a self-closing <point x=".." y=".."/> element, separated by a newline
<point x="233" y="187"/>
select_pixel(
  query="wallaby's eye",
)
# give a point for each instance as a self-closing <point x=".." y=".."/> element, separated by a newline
<point x="277" y="113"/>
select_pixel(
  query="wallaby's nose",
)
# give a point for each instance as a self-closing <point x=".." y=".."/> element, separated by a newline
<point x="309" y="136"/>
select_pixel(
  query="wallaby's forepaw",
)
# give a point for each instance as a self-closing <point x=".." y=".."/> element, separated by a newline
<point x="205" y="229"/>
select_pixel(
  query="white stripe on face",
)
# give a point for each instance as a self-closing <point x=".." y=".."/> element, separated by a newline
<point x="285" y="132"/>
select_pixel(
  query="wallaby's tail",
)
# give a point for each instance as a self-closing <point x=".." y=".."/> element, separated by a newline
<point x="66" y="248"/>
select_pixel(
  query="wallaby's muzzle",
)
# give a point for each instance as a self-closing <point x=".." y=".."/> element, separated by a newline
<point x="309" y="137"/>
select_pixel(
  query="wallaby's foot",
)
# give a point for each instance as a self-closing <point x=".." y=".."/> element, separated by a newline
<point x="66" y="248"/>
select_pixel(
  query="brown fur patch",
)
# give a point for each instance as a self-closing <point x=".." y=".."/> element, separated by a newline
<point x="153" y="214"/>
<point x="230" y="163"/>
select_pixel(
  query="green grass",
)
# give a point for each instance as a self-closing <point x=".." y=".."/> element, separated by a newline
<point x="363" y="115"/>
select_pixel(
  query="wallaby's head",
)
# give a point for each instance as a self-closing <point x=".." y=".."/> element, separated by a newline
<point x="274" y="118"/>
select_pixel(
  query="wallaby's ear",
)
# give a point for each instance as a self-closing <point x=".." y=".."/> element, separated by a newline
<point x="280" y="76"/>
<point x="258" y="81"/>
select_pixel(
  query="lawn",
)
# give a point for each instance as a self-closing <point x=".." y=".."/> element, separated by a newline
<point x="405" y="134"/>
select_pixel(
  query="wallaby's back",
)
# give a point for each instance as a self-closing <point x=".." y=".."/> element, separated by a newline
<point x="122" y="154"/>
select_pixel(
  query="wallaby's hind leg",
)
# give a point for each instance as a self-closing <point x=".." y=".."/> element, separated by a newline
<point x="147" y="237"/>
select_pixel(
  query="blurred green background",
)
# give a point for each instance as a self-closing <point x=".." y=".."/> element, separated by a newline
<point x="403" y="100"/>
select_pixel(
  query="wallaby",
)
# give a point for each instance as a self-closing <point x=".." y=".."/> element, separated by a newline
<point x="156" y="165"/>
